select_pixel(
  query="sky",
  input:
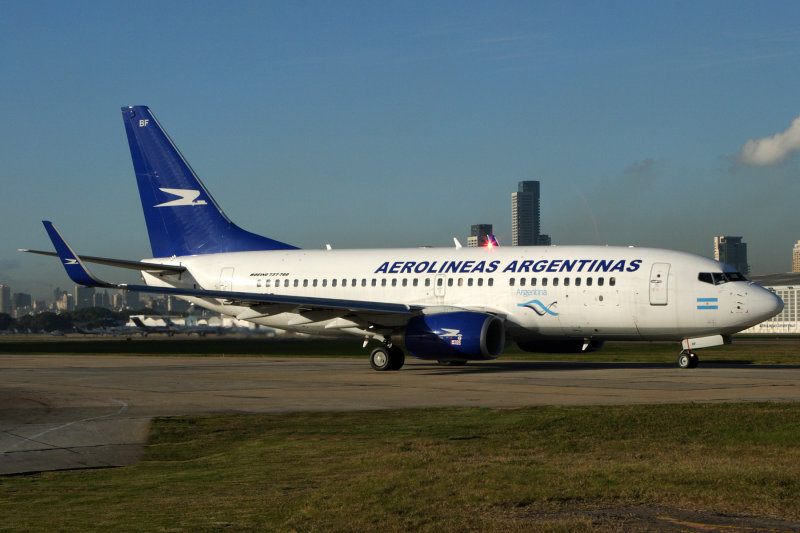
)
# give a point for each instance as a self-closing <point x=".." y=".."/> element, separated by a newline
<point x="401" y="124"/>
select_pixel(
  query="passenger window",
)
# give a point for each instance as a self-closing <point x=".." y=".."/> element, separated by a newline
<point x="566" y="282"/>
<point x="415" y="282"/>
<point x="511" y="282"/>
<point x="544" y="282"/>
<point x="374" y="282"/>
<point x="324" y="282"/>
<point x="439" y="282"/>
<point x="405" y="282"/>
<point x="314" y="283"/>
<point x="533" y="282"/>
<point x="286" y="283"/>
<point x="353" y="282"/>
<point x="363" y="282"/>
<point x="296" y="282"/>
<point x="469" y="282"/>
<point x="600" y="282"/>
<point x="258" y="283"/>
<point x="460" y="282"/>
<point x="612" y="281"/>
<point x="427" y="282"/>
<point x="588" y="282"/>
<point x="383" y="282"/>
<point x="521" y="282"/>
<point x="555" y="282"/>
<point x="577" y="282"/>
<point x="449" y="282"/>
<point x="394" y="282"/>
<point x="491" y="282"/>
<point x="305" y="283"/>
<point x="480" y="282"/>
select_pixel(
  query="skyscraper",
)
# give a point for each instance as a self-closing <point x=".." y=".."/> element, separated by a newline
<point x="525" y="219"/>
<point x="478" y="235"/>
<point x="796" y="257"/>
<point x="732" y="251"/>
<point x="5" y="299"/>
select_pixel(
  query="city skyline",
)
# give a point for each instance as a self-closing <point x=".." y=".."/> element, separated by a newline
<point x="379" y="125"/>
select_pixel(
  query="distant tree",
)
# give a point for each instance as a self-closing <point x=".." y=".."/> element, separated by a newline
<point x="46" y="321"/>
<point x="7" y="322"/>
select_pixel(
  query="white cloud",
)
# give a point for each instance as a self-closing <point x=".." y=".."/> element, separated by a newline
<point x="771" y="150"/>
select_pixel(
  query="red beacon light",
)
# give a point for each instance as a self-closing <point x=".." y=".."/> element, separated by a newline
<point x="491" y="242"/>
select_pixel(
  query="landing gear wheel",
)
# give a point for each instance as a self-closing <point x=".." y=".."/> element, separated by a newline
<point x="398" y="358"/>
<point x="380" y="359"/>
<point x="688" y="360"/>
<point x="385" y="358"/>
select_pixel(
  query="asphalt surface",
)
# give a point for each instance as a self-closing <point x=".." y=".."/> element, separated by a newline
<point x="63" y="412"/>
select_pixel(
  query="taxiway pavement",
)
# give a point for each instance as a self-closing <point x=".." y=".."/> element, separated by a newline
<point x="62" y="412"/>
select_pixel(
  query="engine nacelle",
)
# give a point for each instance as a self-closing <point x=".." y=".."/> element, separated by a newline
<point x="559" y="346"/>
<point x="456" y="336"/>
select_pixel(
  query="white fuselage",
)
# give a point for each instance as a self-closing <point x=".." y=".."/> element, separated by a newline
<point x="578" y="292"/>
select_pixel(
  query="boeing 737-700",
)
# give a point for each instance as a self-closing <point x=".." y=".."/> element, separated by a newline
<point x="450" y="305"/>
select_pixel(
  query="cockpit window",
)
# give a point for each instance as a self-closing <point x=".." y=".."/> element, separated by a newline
<point x="706" y="277"/>
<point x="735" y="276"/>
<point x="718" y="278"/>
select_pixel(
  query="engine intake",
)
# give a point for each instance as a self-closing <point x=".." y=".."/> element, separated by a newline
<point x="456" y="336"/>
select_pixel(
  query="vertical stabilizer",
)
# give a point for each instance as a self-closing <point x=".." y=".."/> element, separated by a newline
<point x="182" y="218"/>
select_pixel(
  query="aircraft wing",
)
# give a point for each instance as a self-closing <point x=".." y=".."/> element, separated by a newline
<point x="120" y="263"/>
<point x="77" y="271"/>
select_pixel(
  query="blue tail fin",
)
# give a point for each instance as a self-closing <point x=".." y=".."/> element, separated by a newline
<point x="182" y="217"/>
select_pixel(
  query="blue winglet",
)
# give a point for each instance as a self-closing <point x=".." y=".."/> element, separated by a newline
<point x="72" y="263"/>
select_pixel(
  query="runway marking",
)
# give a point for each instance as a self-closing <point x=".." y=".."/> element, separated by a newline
<point x="123" y="408"/>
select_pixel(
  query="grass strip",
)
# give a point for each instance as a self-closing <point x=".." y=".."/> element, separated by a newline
<point x="743" y="351"/>
<point x="449" y="469"/>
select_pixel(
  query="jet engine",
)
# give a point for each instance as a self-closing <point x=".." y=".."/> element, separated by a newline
<point x="456" y="336"/>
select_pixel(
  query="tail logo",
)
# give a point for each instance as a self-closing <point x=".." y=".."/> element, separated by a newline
<point x="185" y="197"/>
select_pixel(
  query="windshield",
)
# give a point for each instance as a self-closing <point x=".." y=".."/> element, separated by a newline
<point x="718" y="278"/>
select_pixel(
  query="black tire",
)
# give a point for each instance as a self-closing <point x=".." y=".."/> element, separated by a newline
<point x="684" y="360"/>
<point x="380" y="359"/>
<point x="693" y="360"/>
<point x="398" y="358"/>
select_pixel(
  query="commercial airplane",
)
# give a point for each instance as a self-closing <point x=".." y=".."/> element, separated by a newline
<point x="450" y="305"/>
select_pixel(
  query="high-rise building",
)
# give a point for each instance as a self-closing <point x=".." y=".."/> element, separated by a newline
<point x="479" y="234"/>
<point x="796" y="257"/>
<point x="732" y="251"/>
<point x="84" y="297"/>
<point x="525" y="219"/>
<point x="5" y="299"/>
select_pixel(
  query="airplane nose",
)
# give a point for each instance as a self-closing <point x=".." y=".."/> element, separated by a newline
<point x="765" y="304"/>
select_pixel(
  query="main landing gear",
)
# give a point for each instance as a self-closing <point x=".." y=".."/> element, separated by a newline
<point x="688" y="360"/>
<point x="387" y="358"/>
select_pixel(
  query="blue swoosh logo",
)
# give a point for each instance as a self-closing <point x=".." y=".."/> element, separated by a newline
<point x="539" y="308"/>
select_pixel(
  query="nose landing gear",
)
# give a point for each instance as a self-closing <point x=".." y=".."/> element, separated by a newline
<point x="688" y="360"/>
